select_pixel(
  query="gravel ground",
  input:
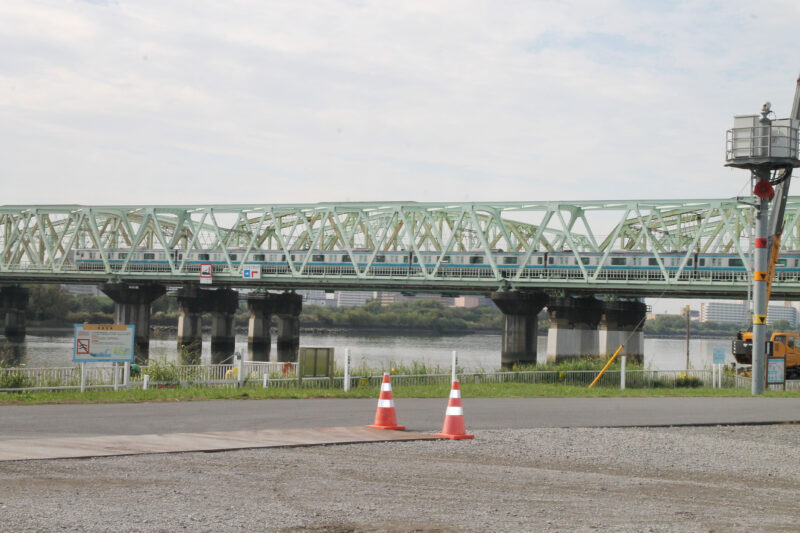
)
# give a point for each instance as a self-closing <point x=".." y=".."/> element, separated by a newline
<point x="744" y="478"/>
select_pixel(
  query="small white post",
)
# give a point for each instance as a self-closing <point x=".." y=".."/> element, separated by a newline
<point x="454" y="363"/>
<point x="266" y="381"/>
<point x="719" y="376"/>
<point x="347" y="369"/>
<point x="622" y="373"/>
<point x="126" y="372"/>
<point x="714" y="376"/>
<point x="115" y="367"/>
<point x="239" y="370"/>
<point x="83" y="377"/>
<point x="145" y="381"/>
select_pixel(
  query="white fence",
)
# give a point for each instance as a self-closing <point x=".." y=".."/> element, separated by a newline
<point x="284" y="375"/>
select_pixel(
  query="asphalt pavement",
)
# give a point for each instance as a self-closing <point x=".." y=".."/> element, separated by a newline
<point x="417" y="414"/>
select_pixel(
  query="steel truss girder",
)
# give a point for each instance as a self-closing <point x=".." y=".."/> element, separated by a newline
<point x="37" y="240"/>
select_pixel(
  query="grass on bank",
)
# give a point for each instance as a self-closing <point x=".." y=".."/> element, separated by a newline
<point x="469" y="390"/>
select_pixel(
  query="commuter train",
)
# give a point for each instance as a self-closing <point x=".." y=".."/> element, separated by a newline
<point x="472" y="263"/>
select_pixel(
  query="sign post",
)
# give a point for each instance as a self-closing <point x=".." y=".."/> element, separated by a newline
<point x="716" y="375"/>
<point x="776" y="371"/>
<point x="251" y="271"/>
<point x="104" y="343"/>
<point x="206" y="273"/>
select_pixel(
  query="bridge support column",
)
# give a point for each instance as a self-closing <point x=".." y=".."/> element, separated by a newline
<point x="132" y="306"/>
<point x="288" y="307"/>
<point x="520" y="323"/>
<point x="259" y="340"/>
<point x="573" y="328"/>
<point x="14" y="301"/>
<point x="190" y="333"/>
<point x="623" y="320"/>
<point x="223" y="304"/>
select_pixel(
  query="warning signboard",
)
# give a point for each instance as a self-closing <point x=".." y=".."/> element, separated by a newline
<point x="109" y="343"/>
<point x="206" y="272"/>
<point x="760" y="319"/>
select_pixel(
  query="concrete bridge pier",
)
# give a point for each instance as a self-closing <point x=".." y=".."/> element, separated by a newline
<point x="573" y="328"/>
<point x="288" y="306"/>
<point x="259" y="340"/>
<point x="191" y="304"/>
<point x="622" y="323"/>
<point x="223" y="304"/>
<point x="14" y="301"/>
<point x="520" y="323"/>
<point x="132" y="306"/>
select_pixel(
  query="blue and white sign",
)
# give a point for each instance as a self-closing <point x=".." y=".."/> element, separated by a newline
<point x="719" y="356"/>
<point x="104" y="343"/>
<point x="251" y="271"/>
<point x="776" y="370"/>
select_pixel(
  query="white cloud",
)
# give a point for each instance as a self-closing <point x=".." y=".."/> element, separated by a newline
<point x="198" y="102"/>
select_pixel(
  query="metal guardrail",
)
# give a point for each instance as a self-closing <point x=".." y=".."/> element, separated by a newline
<point x="284" y="375"/>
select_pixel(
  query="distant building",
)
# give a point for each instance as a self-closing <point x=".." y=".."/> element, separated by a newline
<point x="389" y="298"/>
<point x="737" y="313"/>
<point x="93" y="290"/>
<point x="353" y="298"/>
<point x="471" y="300"/>
<point x="316" y="298"/>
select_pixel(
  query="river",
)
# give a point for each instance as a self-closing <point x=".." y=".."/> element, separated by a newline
<point x="50" y="348"/>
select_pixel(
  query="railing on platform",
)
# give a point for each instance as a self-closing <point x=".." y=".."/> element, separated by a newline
<point x="284" y="375"/>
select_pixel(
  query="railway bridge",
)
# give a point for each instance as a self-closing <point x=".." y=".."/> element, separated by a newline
<point x="589" y="263"/>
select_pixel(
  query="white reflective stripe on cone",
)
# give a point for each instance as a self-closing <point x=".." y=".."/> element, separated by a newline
<point x="455" y="393"/>
<point x="386" y="386"/>
<point x="454" y="411"/>
<point x="385" y="403"/>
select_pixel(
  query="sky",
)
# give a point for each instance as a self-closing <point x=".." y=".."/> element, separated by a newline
<point x="270" y="102"/>
<point x="236" y="102"/>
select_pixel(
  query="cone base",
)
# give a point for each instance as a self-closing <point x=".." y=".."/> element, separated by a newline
<point x="453" y="437"/>
<point x="396" y="428"/>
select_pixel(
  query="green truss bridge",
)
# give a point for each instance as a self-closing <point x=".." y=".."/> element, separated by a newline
<point x="632" y="248"/>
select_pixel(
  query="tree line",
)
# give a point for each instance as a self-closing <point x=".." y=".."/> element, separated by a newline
<point x="55" y="306"/>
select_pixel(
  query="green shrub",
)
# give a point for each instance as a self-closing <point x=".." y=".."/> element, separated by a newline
<point x="13" y="380"/>
<point x="163" y="371"/>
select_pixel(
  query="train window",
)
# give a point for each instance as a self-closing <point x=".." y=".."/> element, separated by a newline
<point x="736" y="262"/>
<point x="380" y="258"/>
<point x="122" y="255"/>
<point x="446" y="259"/>
<point x="203" y="257"/>
<point x="509" y="260"/>
<point x="538" y="260"/>
<point x="781" y="263"/>
<point x="318" y="258"/>
<point x="652" y="261"/>
<point x="345" y="258"/>
<point x="549" y="260"/>
<point x="258" y="257"/>
<point x="701" y="262"/>
<point x="617" y="261"/>
<point x="149" y="257"/>
<point x="476" y="260"/>
<point x="233" y="257"/>
<point x="180" y="256"/>
<point x="293" y="258"/>
<point x="689" y="262"/>
<point x="585" y="260"/>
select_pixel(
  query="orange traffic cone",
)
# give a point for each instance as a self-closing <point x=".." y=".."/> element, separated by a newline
<point x="385" y="417"/>
<point x="454" y="417"/>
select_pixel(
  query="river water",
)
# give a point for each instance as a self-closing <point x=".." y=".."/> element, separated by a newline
<point x="50" y="348"/>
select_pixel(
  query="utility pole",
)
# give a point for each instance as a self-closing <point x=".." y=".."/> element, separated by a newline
<point x="768" y="147"/>
<point x="688" y="312"/>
